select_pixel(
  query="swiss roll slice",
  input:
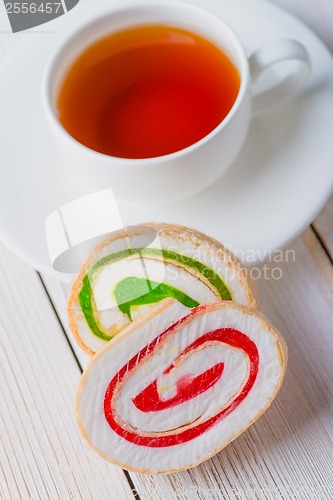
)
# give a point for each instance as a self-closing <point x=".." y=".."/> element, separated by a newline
<point x="178" y="384"/>
<point x="134" y="268"/>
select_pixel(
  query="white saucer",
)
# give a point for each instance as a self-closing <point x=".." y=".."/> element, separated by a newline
<point x="279" y="183"/>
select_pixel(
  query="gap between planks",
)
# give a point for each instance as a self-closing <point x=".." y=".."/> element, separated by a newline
<point x="323" y="227"/>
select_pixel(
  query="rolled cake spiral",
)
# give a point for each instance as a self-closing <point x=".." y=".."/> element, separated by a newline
<point x="178" y="385"/>
<point x="134" y="268"/>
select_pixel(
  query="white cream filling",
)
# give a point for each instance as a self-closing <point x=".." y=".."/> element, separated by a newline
<point x="197" y="409"/>
<point x="105" y="281"/>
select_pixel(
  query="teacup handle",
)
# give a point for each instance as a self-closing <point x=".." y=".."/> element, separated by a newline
<point x="270" y="54"/>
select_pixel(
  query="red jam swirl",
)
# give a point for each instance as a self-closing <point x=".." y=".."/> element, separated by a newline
<point x="187" y="388"/>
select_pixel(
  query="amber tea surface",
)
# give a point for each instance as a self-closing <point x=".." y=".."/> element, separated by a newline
<point x="146" y="92"/>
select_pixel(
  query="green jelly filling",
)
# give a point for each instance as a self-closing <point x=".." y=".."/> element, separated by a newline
<point x="131" y="292"/>
<point x="128" y="290"/>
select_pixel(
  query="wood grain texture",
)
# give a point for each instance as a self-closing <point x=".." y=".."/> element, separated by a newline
<point x="59" y="293"/>
<point x="41" y="452"/>
<point x="288" y="452"/>
<point x="323" y="226"/>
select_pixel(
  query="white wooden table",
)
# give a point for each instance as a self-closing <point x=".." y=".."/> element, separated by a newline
<point x="287" y="454"/>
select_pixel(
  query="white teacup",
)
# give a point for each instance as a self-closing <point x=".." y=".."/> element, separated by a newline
<point x="190" y="170"/>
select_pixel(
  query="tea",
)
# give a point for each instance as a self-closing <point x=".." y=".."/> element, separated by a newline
<point x="147" y="91"/>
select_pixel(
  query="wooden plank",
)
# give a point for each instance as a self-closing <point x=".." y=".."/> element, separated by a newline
<point x="58" y="295"/>
<point x="287" y="453"/>
<point x="41" y="452"/>
<point x="323" y="226"/>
